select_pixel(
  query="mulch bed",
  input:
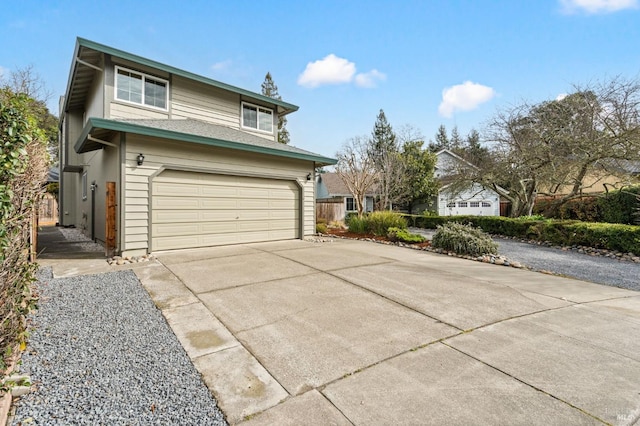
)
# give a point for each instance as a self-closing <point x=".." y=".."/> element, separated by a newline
<point x="344" y="233"/>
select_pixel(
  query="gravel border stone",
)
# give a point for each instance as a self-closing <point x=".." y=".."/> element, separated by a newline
<point x="101" y="353"/>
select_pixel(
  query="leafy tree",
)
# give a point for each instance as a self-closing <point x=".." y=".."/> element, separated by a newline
<point x="270" y="89"/>
<point x="27" y="81"/>
<point x="419" y="183"/>
<point x="356" y="168"/>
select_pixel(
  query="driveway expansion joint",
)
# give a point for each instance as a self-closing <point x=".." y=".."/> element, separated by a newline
<point x="536" y="388"/>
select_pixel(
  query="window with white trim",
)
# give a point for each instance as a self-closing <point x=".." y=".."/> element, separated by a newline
<point x="84" y="186"/>
<point x="486" y="204"/>
<point x="351" y="204"/>
<point x="474" y="203"/>
<point x="462" y="204"/>
<point x="451" y="204"/>
<point x="257" y="117"/>
<point x="141" y="89"/>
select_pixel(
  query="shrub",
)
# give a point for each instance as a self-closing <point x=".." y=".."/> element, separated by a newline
<point x="321" y="228"/>
<point x="349" y="216"/>
<point x="463" y="239"/>
<point x="381" y="221"/>
<point x="23" y="168"/>
<point x="397" y="234"/>
<point x="359" y="225"/>
<point x="620" y="206"/>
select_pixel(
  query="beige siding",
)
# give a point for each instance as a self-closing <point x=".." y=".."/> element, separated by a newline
<point x="175" y="155"/>
<point x="101" y="166"/>
<point x="121" y="110"/>
<point x="191" y="99"/>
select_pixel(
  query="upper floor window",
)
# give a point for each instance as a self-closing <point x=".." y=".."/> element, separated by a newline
<point x="256" y="117"/>
<point x="140" y="88"/>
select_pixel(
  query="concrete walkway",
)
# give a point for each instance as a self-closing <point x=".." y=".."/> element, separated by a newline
<point x="349" y="332"/>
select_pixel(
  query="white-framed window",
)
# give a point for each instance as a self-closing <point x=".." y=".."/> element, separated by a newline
<point x="451" y="204"/>
<point x="141" y="89"/>
<point x="486" y="204"/>
<point x="84" y="186"/>
<point x="351" y="204"/>
<point x="462" y="204"/>
<point x="257" y="117"/>
<point x="474" y="203"/>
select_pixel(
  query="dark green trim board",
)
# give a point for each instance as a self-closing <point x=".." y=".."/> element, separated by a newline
<point x="84" y="144"/>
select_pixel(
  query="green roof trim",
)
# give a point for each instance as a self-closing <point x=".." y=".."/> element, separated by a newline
<point x="186" y="74"/>
<point x="84" y="144"/>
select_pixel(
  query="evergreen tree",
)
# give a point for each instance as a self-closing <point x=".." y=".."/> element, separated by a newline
<point x="383" y="149"/>
<point x="383" y="140"/>
<point x="442" y="140"/>
<point x="455" y="142"/>
<point x="473" y="151"/>
<point x="270" y="89"/>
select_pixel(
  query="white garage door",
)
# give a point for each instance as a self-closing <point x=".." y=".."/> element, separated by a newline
<point x="199" y="210"/>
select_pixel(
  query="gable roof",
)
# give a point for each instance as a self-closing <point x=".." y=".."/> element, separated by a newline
<point x="191" y="131"/>
<point x="335" y="185"/>
<point x="86" y="61"/>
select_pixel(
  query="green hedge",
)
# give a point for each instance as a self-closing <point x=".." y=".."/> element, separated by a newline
<point x="624" y="238"/>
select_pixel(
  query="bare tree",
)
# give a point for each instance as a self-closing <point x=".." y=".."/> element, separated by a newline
<point x="356" y="167"/>
<point x="562" y="147"/>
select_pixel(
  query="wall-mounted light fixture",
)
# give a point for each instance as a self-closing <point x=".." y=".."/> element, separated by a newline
<point x="140" y="159"/>
<point x="309" y="176"/>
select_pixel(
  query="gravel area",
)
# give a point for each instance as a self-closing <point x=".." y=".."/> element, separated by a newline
<point x="85" y="243"/>
<point x="101" y="353"/>
<point x="596" y="269"/>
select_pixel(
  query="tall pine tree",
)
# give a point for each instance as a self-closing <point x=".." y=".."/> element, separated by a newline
<point x="383" y="140"/>
<point x="270" y="89"/>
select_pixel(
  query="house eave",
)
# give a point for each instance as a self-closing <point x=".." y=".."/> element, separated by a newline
<point x="282" y="107"/>
<point x="105" y="126"/>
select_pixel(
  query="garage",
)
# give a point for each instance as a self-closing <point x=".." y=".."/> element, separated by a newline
<point x="191" y="209"/>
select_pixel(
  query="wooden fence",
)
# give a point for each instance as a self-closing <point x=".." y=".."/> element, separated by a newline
<point x="48" y="210"/>
<point x="330" y="210"/>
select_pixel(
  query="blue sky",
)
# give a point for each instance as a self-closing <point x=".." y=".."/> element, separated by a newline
<point x="425" y="63"/>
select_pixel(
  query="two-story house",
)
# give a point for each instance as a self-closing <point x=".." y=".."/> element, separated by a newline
<point x="157" y="158"/>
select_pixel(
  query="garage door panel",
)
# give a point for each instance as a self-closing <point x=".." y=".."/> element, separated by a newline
<point x="195" y="210"/>
<point x="175" y="203"/>
<point x="166" y="188"/>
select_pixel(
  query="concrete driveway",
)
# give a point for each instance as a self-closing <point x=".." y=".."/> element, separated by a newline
<point x="349" y="332"/>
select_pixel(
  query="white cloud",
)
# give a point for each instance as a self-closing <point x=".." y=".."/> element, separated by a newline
<point x="597" y="6"/>
<point x="369" y="79"/>
<point x="464" y="97"/>
<point x="330" y="70"/>
<point x="561" y="96"/>
<point x="222" y="65"/>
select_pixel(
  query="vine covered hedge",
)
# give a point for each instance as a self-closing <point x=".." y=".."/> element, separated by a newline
<point x="611" y="236"/>
<point x="23" y="169"/>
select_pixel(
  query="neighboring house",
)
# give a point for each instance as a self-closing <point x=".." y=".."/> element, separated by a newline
<point x="472" y="200"/>
<point x="331" y="190"/>
<point x="157" y="158"/>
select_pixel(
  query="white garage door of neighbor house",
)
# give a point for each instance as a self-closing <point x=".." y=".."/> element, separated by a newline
<point x="198" y="210"/>
<point x="475" y="207"/>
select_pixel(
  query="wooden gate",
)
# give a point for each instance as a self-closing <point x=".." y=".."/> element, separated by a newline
<point x="110" y="233"/>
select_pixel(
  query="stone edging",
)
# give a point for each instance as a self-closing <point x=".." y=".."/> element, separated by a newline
<point x="487" y="258"/>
